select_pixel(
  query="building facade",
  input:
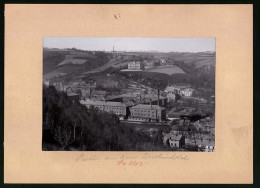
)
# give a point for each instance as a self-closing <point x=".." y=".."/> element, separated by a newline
<point x="187" y="92"/>
<point x="177" y="141"/>
<point x="117" y="108"/>
<point x="183" y="90"/>
<point x="135" y="65"/>
<point x="174" y="139"/>
<point x="147" y="113"/>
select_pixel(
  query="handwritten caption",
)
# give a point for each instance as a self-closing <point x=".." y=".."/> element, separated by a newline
<point x="135" y="161"/>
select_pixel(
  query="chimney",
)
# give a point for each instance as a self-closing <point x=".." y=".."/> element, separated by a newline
<point x="90" y="92"/>
<point x="163" y="102"/>
<point x="158" y="101"/>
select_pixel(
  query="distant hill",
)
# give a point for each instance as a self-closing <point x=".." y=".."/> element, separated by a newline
<point x="57" y="63"/>
<point x="73" y="64"/>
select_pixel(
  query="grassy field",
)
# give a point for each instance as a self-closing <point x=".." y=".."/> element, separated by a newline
<point x="111" y="63"/>
<point x="72" y="61"/>
<point x="61" y="63"/>
<point x="170" y="70"/>
<point x="62" y="71"/>
<point x="205" y="62"/>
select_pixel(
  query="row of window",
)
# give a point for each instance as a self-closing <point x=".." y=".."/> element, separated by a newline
<point x="137" y="114"/>
<point x="116" y="108"/>
<point x="137" y="118"/>
<point x="113" y="108"/>
<point x="144" y="111"/>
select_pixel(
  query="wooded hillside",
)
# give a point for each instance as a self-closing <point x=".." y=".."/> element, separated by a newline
<point x="68" y="125"/>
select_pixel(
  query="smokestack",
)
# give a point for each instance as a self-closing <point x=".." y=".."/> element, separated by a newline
<point x="158" y="101"/>
<point x="90" y="93"/>
<point x="163" y="101"/>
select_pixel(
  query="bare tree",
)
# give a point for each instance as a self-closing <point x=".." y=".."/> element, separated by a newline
<point x="63" y="136"/>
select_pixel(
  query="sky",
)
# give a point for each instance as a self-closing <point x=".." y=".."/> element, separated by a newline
<point x="132" y="44"/>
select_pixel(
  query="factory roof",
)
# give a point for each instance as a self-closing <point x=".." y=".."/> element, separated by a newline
<point x="147" y="106"/>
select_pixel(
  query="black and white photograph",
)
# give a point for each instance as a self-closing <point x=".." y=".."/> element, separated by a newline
<point x="128" y="94"/>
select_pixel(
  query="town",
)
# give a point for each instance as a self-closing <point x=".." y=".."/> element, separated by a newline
<point x="171" y="94"/>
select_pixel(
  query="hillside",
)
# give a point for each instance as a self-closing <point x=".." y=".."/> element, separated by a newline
<point x="170" y="70"/>
<point x="197" y="69"/>
<point x="63" y="63"/>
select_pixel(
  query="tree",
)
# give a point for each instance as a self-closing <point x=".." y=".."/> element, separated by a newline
<point x="63" y="136"/>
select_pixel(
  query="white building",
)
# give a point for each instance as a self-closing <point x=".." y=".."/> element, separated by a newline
<point x="135" y="65"/>
<point x="163" y="61"/>
<point x="187" y="92"/>
<point x="182" y="89"/>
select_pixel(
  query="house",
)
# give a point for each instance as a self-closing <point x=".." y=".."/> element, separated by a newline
<point x="163" y="61"/>
<point x="148" y="64"/>
<point x="181" y="89"/>
<point x="174" y="138"/>
<point x="177" y="141"/>
<point x="99" y="94"/>
<point x="174" y="88"/>
<point x="135" y="65"/>
<point x="187" y="92"/>
<point x="205" y="124"/>
<point x="147" y="113"/>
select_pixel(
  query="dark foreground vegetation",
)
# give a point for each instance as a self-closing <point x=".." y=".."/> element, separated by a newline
<point x="68" y="125"/>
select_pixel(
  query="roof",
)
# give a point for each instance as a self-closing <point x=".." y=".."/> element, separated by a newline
<point x="180" y="86"/>
<point x="175" y="137"/>
<point x="104" y="103"/>
<point x="129" y="103"/>
<point x="100" y="92"/>
<point x="91" y="102"/>
<point x="114" y="104"/>
<point x="70" y="94"/>
<point x="147" y="106"/>
<point x="126" y="95"/>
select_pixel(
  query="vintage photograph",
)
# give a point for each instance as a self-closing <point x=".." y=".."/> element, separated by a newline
<point x="128" y="94"/>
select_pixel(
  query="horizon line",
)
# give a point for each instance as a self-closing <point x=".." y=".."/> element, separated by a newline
<point x="125" y="51"/>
